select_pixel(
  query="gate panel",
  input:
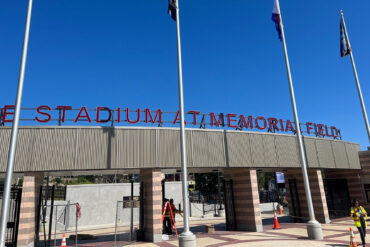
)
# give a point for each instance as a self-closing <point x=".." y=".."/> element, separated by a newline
<point x="229" y="206"/>
<point x="13" y="218"/>
<point x="337" y="198"/>
<point x="294" y="199"/>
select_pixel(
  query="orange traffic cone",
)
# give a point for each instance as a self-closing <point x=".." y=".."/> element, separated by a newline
<point x="352" y="241"/>
<point x="280" y="209"/>
<point x="276" y="222"/>
<point x="64" y="241"/>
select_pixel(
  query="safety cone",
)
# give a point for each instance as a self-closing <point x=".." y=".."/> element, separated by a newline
<point x="280" y="209"/>
<point x="64" y="241"/>
<point x="352" y="241"/>
<point x="276" y="222"/>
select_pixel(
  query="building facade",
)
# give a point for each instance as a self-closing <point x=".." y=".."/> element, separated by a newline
<point x="151" y="152"/>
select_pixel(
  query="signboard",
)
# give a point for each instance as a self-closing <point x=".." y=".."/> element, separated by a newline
<point x="280" y="179"/>
<point x="118" y="116"/>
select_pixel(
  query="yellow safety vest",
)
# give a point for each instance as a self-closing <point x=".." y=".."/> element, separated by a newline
<point x="356" y="216"/>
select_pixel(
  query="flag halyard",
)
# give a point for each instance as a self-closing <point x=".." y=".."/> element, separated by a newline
<point x="172" y="9"/>
<point x="276" y="18"/>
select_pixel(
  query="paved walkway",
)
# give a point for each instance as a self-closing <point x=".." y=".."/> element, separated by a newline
<point x="291" y="234"/>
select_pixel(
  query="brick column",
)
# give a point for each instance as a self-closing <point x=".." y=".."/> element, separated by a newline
<point x="317" y="192"/>
<point x="152" y="190"/>
<point x="246" y="199"/>
<point x="29" y="206"/>
<point x="364" y="175"/>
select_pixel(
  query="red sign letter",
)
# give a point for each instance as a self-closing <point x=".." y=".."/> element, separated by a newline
<point x="220" y="120"/>
<point x="245" y="123"/>
<point x="289" y="126"/>
<point x="177" y="118"/>
<point x="43" y="113"/>
<point x="264" y="123"/>
<point x="64" y="108"/>
<point x="158" y="113"/>
<point x="104" y="109"/>
<point x="332" y="131"/>
<point x="195" y="113"/>
<point x="273" y="123"/>
<point x="229" y="120"/>
<point x="118" y="115"/>
<point x="128" y="113"/>
<point x="83" y="109"/>
<point x="6" y="107"/>
<point x="327" y="131"/>
<point x="309" y="128"/>
<point x="321" y="130"/>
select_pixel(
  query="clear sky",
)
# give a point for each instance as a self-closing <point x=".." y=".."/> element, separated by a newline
<point x="120" y="53"/>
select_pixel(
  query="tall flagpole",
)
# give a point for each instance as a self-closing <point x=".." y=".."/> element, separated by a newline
<point x="186" y="238"/>
<point x="356" y="78"/>
<point x="313" y="226"/>
<point x="14" y="134"/>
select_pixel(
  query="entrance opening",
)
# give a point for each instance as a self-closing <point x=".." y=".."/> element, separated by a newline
<point x="90" y="209"/>
<point x="206" y="198"/>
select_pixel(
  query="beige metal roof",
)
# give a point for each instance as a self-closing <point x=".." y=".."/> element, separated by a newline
<point x="78" y="148"/>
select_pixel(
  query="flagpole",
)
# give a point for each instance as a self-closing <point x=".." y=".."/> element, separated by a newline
<point x="186" y="238"/>
<point x="313" y="226"/>
<point x="356" y="77"/>
<point x="14" y="133"/>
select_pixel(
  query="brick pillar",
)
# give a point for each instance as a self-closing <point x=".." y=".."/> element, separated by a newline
<point x="246" y="199"/>
<point x="364" y="175"/>
<point x="29" y="206"/>
<point x="151" y="179"/>
<point x="317" y="192"/>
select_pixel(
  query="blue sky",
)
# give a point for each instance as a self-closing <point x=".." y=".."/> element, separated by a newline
<point x="123" y="54"/>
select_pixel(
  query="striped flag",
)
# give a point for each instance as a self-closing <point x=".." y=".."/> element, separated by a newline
<point x="345" y="49"/>
<point x="172" y="9"/>
<point x="276" y="18"/>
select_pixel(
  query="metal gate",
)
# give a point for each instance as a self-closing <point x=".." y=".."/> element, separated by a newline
<point x="229" y="205"/>
<point x="337" y="198"/>
<point x="46" y="193"/>
<point x="296" y="207"/>
<point x="13" y="217"/>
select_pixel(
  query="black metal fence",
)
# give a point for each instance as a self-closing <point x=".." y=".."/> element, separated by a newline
<point x="205" y="197"/>
<point x="60" y="193"/>
<point x="268" y="196"/>
<point x="13" y="217"/>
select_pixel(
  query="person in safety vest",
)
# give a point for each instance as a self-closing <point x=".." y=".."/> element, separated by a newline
<point x="174" y="210"/>
<point x="359" y="215"/>
<point x="167" y="227"/>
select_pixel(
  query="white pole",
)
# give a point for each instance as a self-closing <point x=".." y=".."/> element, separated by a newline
<point x="14" y="134"/>
<point x="187" y="238"/>
<point x="313" y="227"/>
<point x="55" y="225"/>
<point x="356" y="78"/>
<point x="115" y="227"/>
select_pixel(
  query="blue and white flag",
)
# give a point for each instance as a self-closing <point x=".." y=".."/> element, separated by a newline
<point x="276" y="18"/>
<point x="344" y="46"/>
<point x="172" y="9"/>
